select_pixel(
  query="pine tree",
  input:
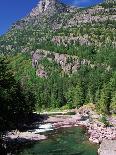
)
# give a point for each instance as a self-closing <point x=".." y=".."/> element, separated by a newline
<point x="89" y="97"/>
<point x="75" y="96"/>
<point x="104" y="101"/>
<point x="113" y="103"/>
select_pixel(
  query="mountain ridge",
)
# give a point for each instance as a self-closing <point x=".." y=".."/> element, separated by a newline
<point x="44" y="10"/>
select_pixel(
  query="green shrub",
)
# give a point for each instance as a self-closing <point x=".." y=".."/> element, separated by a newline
<point x="104" y="121"/>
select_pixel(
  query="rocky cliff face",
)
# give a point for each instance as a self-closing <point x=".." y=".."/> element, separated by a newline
<point x="110" y="1"/>
<point x="55" y="27"/>
<point x="43" y="11"/>
<point x="68" y="64"/>
<point x="42" y="7"/>
<point x="49" y="12"/>
<point x="48" y="7"/>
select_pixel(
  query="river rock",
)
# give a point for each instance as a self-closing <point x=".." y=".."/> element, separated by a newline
<point x="107" y="147"/>
<point x="24" y="136"/>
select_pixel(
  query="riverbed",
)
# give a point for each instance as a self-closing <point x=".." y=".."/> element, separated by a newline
<point x="64" y="141"/>
<point x="64" y="129"/>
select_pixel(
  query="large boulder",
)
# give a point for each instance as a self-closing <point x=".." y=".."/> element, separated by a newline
<point x="107" y="147"/>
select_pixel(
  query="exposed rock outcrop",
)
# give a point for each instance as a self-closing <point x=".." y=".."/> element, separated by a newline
<point x="48" y="7"/>
<point x="23" y="136"/>
<point x="68" y="63"/>
<point x="42" y="12"/>
<point x="41" y="73"/>
<point x="65" y="40"/>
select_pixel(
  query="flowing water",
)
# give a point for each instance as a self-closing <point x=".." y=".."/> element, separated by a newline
<point x="67" y="141"/>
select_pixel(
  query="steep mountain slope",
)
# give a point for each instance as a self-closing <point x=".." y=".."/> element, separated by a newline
<point x="91" y="26"/>
<point x="42" y="12"/>
<point x="65" y="55"/>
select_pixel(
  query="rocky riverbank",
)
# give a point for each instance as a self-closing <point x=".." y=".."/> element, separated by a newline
<point x="23" y="137"/>
<point x="88" y="118"/>
<point x="85" y="116"/>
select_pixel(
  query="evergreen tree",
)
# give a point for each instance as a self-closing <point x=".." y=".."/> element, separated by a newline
<point x="113" y="103"/>
<point x="105" y="99"/>
<point x="75" y="96"/>
<point x="16" y="102"/>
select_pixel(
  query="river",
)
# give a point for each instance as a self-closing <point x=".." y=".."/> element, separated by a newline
<point x="64" y="141"/>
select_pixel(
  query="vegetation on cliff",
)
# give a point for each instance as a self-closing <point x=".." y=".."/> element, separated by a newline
<point x="79" y="66"/>
<point x="87" y="34"/>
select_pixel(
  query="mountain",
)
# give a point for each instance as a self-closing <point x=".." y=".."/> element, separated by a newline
<point x="54" y="24"/>
<point x="110" y="1"/>
<point x="65" y="55"/>
<point x="48" y="7"/>
<point x="43" y="11"/>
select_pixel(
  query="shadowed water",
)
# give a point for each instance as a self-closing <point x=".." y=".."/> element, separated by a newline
<point x="68" y="141"/>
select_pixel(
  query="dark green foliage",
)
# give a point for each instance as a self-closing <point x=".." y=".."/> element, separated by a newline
<point x="113" y="103"/>
<point x="22" y="91"/>
<point x="89" y="84"/>
<point x="104" y="121"/>
<point x="16" y="102"/>
<point x="75" y="97"/>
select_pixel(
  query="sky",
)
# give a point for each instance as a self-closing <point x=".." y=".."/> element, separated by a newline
<point x="13" y="10"/>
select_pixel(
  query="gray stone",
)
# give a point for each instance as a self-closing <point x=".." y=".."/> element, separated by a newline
<point x="107" y="147"/>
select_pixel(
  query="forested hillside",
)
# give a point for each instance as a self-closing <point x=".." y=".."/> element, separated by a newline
<point x="64" y="56"/>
